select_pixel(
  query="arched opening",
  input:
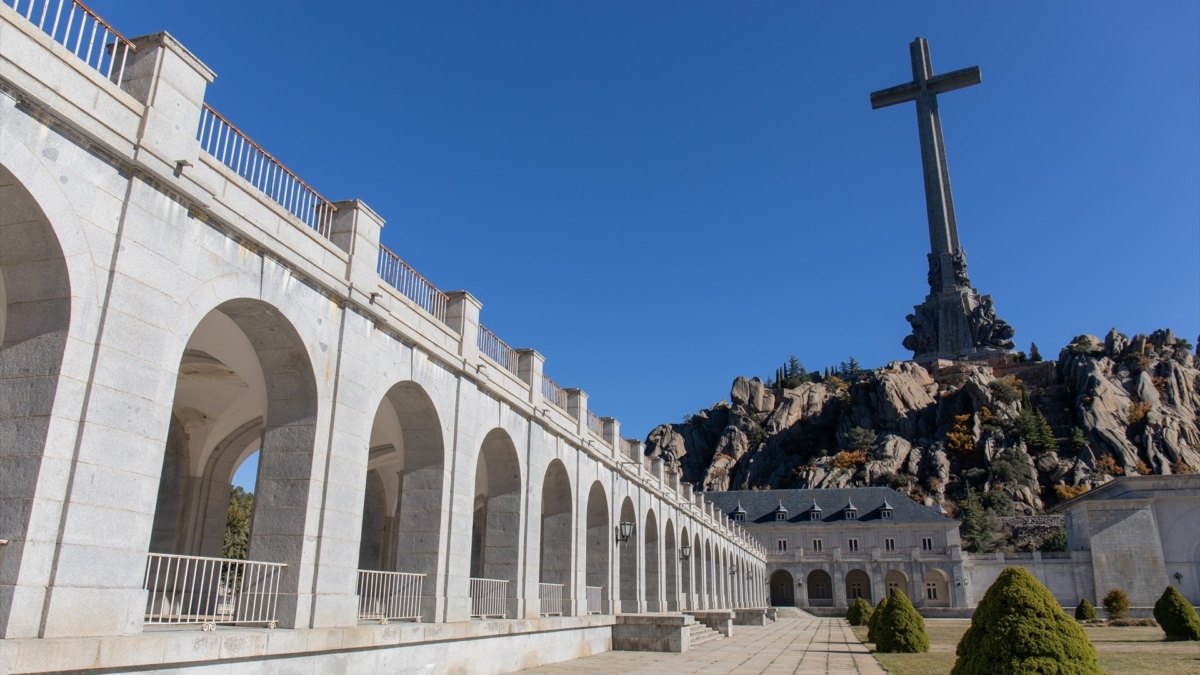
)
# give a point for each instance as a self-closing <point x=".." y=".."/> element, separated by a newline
<point x="629" y="559"/>
<point x="820" y="589"/>
<point x="700" y="582"/>
<point x="671" y="567"/>
<point x="893" y="580"/>
<point x="783" y="589"/>
<point x="653" y="597"/>
<point x="599" y="534"/>
<point x="35" y="315"/>
<point x="402" y="502"/>
<point x="555" y="570"/>
<point x="710" y="596"/>
<point x="496" y="525"/>
<point x="858" y="585"/>
<point x="685" y="569"/>
<point x="245" y="383"/>
<point x="937" y="589"/>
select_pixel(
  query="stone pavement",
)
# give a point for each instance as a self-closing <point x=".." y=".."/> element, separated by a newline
<point x="793" y="646"/>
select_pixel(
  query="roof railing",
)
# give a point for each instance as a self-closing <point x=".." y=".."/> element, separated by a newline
<point x="495" y="349"/>
<point x="554" y="394"/>
<point x="233" y="148"/>
<point x="412" y="285"/>
<point x="82" y="32"/>
<point x="596" y="425"/>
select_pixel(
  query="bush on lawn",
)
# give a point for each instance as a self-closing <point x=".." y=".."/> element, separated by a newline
<point x="859" y="613"/>
<point x="1177" y="616"/>
<point x="1116" y="604"/>
<point x="873" y="622"/>
<point x="1019" y="628"/>
<point x="901" y="629"/>
<point x="1085" y="611"/>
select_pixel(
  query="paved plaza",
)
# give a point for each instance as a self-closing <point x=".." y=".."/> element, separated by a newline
<point x="797" y="646"/>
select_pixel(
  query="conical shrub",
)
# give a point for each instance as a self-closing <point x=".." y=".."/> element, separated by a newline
<point x="1019" y="628"/>
<point x="873" y="622"/>
<point x="1177" y="616"/>
<point x="859" y="612"/>
<point x="1085" y="611"/>
<point x="900" y="628"/>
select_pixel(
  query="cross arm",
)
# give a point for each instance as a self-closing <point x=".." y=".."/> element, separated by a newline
<point x="901" y="93"/>
<point x="957" y="79"/>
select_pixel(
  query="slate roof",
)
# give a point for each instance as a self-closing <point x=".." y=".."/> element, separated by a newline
<point x="760" y="505"/>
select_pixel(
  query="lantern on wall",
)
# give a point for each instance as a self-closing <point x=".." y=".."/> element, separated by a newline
<point x="626" y="529"/>
<point x="685" y="552"/>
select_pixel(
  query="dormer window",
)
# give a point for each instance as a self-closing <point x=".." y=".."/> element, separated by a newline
<point x="739" y="514"/>
<point x="885" y="512"/>
<point x="851" y="511"/>
<point x="780" y="512"/>
<point x="814" y="512"/>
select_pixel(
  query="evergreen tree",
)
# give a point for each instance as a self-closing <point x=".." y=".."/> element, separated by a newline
<point x="901" y="629"/>
<point x="1019" y="628"/>
<point x="873" y="622"/>
<point x="1116" y="604"/>
<point x="859" y="613"/>
<point x="237" y="523"/>
<point x="854" y="366"/>
<point x="1177" y="616"/>
<point x="1085" y="611"/>
<point x="1034" y="354"/>
<point x="980" y="528"/>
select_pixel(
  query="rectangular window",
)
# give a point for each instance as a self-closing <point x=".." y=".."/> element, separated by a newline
<point x="853" y="545"/>
<point x="926" y="543"/>
<point x="889" y="544"/>
<point x="781" y="545"/>
<point x="816" y="545"/>
<point x="931" y="591"/>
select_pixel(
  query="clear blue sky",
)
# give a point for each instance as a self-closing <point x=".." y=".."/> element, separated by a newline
<point x="661" y="196"/>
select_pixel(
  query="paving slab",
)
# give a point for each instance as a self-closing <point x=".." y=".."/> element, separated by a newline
<point x="792" y="646"/>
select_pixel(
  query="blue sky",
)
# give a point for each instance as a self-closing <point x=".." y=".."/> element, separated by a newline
<point x="661" y="196"/>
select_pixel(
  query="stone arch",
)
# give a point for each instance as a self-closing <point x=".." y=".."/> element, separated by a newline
<point x="686" y="582"/>
<point x="496" y="529"/>
<point x="858" y="585"/>
<point x="599" y="536"/>
<point x="895" y="579"/>
<point x="783" y="589"/>
<point x="937" y="589"/>
<point x="375" y="523"/>
<point x="629" y="559"/>
<point x="35" y="320"/>
<point x="653" y="575"/>
<point x="710" y="596"/>
<point x="671" y="567"/>
<point x="820" y="588"/>
<point x="699" y="578"/>
<point x="557" y="530"/>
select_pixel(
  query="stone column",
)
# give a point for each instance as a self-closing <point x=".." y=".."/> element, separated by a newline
<point x="462" y="316"/>
<point x="577" y="407"/>
<point x="355" y="229"/>
<point x="529" y="369"/>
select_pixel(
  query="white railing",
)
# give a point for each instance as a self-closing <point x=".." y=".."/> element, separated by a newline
<point x="412" y="285"/>
<point x="185" y="589"/>
<point x="551" y="597"/>
<point x="230" y="146"/>
<point x="71" y="24"/>
<point x="489" y="597"/>
<point x="594" y="596"/>
<point x="595" y="425"/>
<point x="495" y="349"/>
<point x="554" y="394"/>
<point x="389" y="595"/>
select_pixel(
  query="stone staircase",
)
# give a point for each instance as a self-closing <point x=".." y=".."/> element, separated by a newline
<point x="701" y="633"/>
<point x="793" y="613"/>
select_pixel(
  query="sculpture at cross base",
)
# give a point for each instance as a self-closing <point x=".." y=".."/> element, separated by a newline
<point x="955" y="321"/>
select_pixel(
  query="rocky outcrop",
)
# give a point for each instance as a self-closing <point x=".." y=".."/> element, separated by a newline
<point x="1107" y="407"/>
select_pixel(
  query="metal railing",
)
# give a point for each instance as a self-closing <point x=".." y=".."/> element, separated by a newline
<point x="495" y="349"/>
<point x="389" y="595"/>
<point x="82" y="32"/>
<point x="594" y="596"/>
<point x="412" y="285"/>
<point x="489" y="597"/>
<point x="233" y="148"/>
<point x="595" y="424"/>
<point x="554" y="393"/>
<point x="185" y="589"/>
<point x="551" y="599"/>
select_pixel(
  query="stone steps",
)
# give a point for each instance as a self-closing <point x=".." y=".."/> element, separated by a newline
<point x="701" y="633"/>
<point x="792" y="613"/>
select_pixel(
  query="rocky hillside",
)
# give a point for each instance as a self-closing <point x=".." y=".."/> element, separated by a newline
<point x="1040" y="432"/>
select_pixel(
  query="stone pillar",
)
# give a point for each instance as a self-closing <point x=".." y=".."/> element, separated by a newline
<point x="577" y="407"/>
<point x="462" y="316"/>
<point x="612" y="436"/>
<point x="530" y="365"/>
<point x="355" y="229"/>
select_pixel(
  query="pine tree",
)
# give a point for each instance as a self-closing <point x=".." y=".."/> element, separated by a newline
<point x="1019" y="628"/>
<point x="854" y="367"/>
<point x="1034" y="354"/>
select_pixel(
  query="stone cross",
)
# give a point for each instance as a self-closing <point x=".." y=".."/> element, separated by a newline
<point x="924" y="88"/>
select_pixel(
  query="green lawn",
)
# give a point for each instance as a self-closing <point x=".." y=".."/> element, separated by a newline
<point x="1123" y="651"/>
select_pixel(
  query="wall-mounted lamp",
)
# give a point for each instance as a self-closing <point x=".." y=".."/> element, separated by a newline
<point x="733" y="569"/>
<point x="685" y="552"/>
<point x="1178" y="577"/>
<point x="626" y="529"/>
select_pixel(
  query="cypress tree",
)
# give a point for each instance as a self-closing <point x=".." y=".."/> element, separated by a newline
<point x="873" y="622"/>
<point x="901" y="629"/>
<point x="1177" y="616"/>
<point x="1019" y="628"/>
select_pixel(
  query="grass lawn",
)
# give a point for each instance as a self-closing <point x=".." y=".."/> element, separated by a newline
<point x="1123" y="651"/>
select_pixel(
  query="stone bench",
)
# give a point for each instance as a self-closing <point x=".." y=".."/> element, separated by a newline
<point x="720" y="620"/>
<point x="750" y="617"/>
<point x="773" y="613"/>
<point x="652" y="633"/>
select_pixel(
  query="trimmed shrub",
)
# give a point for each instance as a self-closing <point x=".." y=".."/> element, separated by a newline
<point x="1085" y="611"/>
<point x="859" y="613"/>
<point x="873" y="622"/>
<point x="1115" y="604"/>
<point x="1019" y="628"/>
<point x="1177" y="616"/>
<point x="1128" y="623"/>
<point x="901" y="629"/>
